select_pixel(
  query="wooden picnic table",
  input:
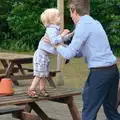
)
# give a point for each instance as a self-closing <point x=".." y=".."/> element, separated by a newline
<point x="13" y="67"/>
<point x="60" y="94"/>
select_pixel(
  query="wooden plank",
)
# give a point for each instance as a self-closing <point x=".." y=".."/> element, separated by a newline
<point x="22" y="60"/>
<point x="18" y="77"/>
<point x="29" y="116"/>
<point x="15" y="70"/>
<point x="13" y="56"/>
<point x="22" y="77"/>
<point x="21" y="97"/>
<point x="11" y="109"/>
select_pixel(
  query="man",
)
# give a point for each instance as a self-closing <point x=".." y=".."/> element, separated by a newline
<point x="91" y="42"/>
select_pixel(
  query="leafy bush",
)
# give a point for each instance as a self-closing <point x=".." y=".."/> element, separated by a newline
<point x="24" y="21"/>
<point x="22" y="30"/>
<point x="5" y="8"/>
<point x="108" y="13"/>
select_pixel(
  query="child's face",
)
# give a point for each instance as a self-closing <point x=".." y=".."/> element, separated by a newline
<point x="58" y="18"/>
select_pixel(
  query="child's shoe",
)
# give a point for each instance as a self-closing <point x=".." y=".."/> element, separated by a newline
<point x="44" y="93"/>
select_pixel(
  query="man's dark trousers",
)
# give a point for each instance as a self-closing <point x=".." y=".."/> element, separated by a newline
<point x="101" y="89"/>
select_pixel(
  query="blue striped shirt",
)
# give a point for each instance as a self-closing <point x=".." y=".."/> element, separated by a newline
<point x="89" y="41"/>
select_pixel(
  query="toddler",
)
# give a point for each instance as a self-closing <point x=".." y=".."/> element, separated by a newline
<point x="51" y="20"/>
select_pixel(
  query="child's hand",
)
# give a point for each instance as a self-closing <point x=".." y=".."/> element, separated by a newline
<point x="65" y="32"/>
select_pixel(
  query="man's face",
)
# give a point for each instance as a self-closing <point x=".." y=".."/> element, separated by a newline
<point x="73" y="15"/>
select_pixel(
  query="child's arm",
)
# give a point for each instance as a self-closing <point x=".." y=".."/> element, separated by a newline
<point x="54" y="36"/>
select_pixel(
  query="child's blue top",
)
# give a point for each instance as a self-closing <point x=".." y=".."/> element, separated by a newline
<point x="53" y="32"/>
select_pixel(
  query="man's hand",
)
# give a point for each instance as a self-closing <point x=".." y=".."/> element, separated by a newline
<point x="46" y="39"/>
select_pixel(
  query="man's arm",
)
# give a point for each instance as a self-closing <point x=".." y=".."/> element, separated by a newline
<point x="80" y="36"/>
<point x="78" y="54"/>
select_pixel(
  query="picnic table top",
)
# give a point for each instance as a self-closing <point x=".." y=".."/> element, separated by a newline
<point x="21" y="96"/>
<point x="13" y="56"/>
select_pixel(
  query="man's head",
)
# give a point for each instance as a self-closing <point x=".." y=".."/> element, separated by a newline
<point x="78" y="8"/>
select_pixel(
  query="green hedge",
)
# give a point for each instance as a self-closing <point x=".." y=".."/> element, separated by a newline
<point x="24" y="29"/>
<point x="108" y="13"/>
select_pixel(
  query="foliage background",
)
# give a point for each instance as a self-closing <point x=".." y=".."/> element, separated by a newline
<point x="21" y="29"/>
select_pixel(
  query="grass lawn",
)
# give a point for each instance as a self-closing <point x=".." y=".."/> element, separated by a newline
<point x="74" y="73"/>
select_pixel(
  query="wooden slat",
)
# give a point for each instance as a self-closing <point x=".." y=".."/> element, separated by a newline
<point x="15" y="70"/>
<point x="29" y="116"/>
<point x="28" y="76"/>
<point x="24" y="98"/>
<point x="12" y="56"/>
<point x="10" y="109"/>
<point x="21" y="96"/>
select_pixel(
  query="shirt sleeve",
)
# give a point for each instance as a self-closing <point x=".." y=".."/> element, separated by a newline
<point x="54" y="35"/>
<point x="79" y="38"/>
<point x="67" y="37"/>
<point x="79" y="54"/>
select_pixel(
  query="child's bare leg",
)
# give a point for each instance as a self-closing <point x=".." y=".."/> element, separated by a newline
<point x="43" y="91"/>
<point x="42" y="83"/>
<point x="32" y="89"/>
<point x="35" y="82"/>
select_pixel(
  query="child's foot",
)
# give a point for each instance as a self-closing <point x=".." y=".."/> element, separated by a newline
<point x="44" y="93"/>
<point x="32" y="93"/>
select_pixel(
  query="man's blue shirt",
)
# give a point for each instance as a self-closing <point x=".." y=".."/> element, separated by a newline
<point x="90" y="41"/>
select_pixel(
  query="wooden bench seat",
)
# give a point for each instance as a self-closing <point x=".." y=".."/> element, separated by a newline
<point x="11" y="109"/>
<point x="16" y="111"/>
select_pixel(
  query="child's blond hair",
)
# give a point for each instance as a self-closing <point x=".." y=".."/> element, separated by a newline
<point x="48" y="16"/>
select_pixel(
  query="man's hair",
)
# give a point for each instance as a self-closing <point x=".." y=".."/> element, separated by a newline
<point x="48" y="16"/>
<point x="82" y="7"/>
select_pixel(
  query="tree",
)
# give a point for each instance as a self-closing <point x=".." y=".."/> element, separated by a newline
<point x="108" y="12"/>
<point x="24" y="21"/>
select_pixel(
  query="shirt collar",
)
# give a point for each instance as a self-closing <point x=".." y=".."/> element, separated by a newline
<point x="54" y="26"/>
<point x="85" y="19"/>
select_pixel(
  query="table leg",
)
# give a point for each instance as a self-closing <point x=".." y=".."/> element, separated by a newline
<point x="50" y="80"/>
<point x="4" y="63"/>
<point x="73" y="109"/>
<point x="71" y="105"/>
<point x="27" y="108"/>
<point x="8" y="72"/>
<point x="39" y="111"/>
<point x="21" y="69"/>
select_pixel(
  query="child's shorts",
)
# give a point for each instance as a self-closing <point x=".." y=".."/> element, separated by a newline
<point x="41" y="63"/>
